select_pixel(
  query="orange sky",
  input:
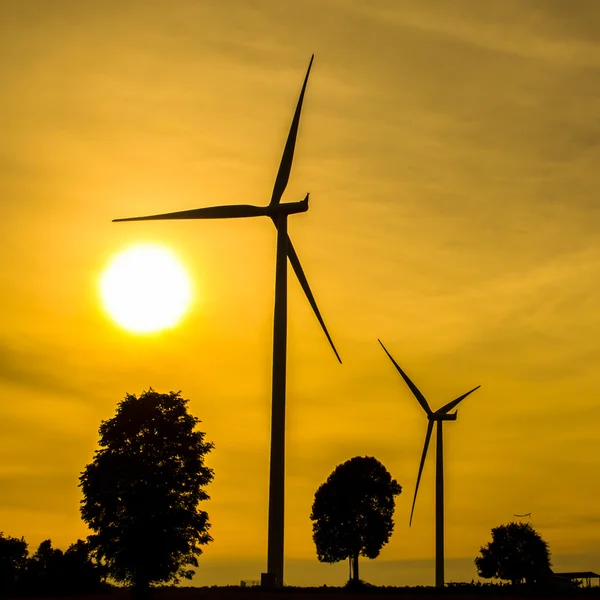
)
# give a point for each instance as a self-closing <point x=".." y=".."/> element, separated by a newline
<point x="451" y="152"/>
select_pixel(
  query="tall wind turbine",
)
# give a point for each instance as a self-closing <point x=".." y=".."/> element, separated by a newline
<point x="285" y="250"/>
<point x="439" y="416"/>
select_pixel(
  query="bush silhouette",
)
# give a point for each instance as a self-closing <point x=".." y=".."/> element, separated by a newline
<point x="516" y="552"/>
<point x="13" y="563"/>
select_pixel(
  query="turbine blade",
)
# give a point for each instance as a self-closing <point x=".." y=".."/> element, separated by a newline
<point x="448" y="407"/>
<point x="409" y="383"/>
<point x="233" y="211"/>
<point x="295" y="262"/>
<point x="427" y="438"/>
<point x="285" y="166"/>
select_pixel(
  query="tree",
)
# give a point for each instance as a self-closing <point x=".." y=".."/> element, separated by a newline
<point x="352" y="512"/>
<point x="142" y="491"/>
<point x="45" y="570"/>
<point x="84" y="576"/>
<point x="516" y="552"/>
<point x="13" y="562"/>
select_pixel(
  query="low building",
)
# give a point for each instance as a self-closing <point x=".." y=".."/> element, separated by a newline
<point x="583" y="577"/>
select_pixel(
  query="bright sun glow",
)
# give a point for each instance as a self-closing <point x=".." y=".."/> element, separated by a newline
<point x="145" y="289"/>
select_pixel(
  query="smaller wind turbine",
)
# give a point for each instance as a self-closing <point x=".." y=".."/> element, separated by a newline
<point x="439" y="416"/>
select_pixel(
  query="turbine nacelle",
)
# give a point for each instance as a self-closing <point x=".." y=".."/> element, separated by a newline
<point x="287" y="208"/>
<point x="438" y="416"/>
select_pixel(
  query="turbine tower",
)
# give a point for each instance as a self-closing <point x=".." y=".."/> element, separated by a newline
<point x="285" y="250"/>
<point x="438" y="417"/>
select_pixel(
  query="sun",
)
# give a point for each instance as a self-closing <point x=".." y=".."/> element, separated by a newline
<point x="145" y="289"/>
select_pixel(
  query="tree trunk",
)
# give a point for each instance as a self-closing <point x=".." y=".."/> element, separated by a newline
<point x="355" y="568"/>
<point x="141" y="590"/>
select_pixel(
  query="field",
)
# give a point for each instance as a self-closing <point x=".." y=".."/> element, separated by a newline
<point x="466" y="592"/>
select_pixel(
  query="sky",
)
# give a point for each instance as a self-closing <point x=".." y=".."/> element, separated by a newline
<point x="451" y="151"/>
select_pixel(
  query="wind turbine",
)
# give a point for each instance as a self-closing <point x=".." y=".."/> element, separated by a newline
<point x="285" y="250"/>
<point x="439" y="416"/>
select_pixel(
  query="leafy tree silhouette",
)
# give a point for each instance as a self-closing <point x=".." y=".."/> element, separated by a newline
<point x="13" y="563"/>
<point x="142" y="491"/>
<point x="84" y="575"/>
<point x="45" y="569"/>
<point x="49" y="571"/>
<point x="352" y="512"/>
<point x="516" y="552"/>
